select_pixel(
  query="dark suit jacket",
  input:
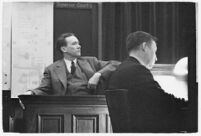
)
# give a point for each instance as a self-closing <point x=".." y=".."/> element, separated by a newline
<point x="54" y="81"/>
<point x="151" y="109"/>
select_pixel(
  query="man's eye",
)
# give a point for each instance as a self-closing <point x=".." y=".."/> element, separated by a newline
<point x="75" y="43"/>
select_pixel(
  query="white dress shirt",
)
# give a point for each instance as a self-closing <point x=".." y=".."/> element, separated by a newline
<point x="68" y="64"/>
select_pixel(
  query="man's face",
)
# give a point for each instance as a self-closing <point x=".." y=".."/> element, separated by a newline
<point x="73" y="47"/>
<point x="150" y="54"/>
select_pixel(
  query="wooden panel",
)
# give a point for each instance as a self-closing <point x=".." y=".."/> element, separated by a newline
<point x="78" y="18"/>
<point x="85" y="123"/>
<point x="50" y="123"/>
<point x="69" y="114"/>
<point x="108" y="124"/>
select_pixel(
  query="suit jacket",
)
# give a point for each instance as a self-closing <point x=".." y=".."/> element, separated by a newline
<point x="150" y="108"/>
<point x="54" y="81"/>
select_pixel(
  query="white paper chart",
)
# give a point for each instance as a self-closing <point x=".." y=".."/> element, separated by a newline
<point x="32" y="44"/>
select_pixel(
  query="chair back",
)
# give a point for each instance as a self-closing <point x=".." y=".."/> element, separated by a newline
<point x="117" y="101"/>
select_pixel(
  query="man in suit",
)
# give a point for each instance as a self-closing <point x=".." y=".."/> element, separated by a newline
<point x="151" y="109"/>
<point x="74" y="75"/>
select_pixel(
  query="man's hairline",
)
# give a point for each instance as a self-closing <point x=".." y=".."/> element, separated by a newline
<point x="66" y="39"/>
<point x="147" y="43"/>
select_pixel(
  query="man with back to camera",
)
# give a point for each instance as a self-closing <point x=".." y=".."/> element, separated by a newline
<point x="151" y="109"/>
<point x="73" y="75"/>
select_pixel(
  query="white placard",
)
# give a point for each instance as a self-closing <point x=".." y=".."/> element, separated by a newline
<point x="32" y="44"/>
<point x="173" y="85"/>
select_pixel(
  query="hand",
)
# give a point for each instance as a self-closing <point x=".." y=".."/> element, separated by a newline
<point x="93" y="81"/>
<point x="28" y="93"/>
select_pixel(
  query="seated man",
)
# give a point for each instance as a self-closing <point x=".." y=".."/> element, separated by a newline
<point x="151" y="109"/>
<point x="73" y="75"/>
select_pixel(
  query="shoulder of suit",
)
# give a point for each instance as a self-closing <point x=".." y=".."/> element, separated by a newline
<point x="134" y="66"/>
<point x="87" y="58"/>
<point x="56" y="63"/>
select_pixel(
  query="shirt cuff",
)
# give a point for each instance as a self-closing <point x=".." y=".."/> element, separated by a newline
<point x="97" y="74"/>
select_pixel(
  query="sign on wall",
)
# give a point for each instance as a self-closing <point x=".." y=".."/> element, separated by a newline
<point x="32" y="44"/>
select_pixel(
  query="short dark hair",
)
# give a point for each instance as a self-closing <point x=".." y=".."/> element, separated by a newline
<point x="134" y="39"/>
<point x="61" y="41"/>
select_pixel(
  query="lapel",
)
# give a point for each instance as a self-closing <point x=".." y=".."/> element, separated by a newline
<point x="61" y="71"/>
<point x="85" y="67"/>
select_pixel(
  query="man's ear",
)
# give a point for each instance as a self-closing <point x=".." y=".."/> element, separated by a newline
<point x="143" y="46"/>
<point x="63" y="49"/>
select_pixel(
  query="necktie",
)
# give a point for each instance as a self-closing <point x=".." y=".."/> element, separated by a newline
<point x="73" y="68"/>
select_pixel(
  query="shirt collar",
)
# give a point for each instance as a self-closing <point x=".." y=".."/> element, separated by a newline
<point x="69" y="61"/>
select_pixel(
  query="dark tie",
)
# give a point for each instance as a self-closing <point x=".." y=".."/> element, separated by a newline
<point x="73" y="68"/>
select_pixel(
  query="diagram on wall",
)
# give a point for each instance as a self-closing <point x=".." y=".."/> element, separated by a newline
<point x="32" y="44"/>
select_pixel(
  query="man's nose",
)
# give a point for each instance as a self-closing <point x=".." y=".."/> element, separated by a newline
<point x="79" y="46"/>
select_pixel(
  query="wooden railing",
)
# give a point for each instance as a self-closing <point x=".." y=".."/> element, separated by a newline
<point x="69" y="114"/>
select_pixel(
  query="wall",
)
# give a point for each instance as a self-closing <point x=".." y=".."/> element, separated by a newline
<point x="28" y="44"/>
<point x="6" y="46"/>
